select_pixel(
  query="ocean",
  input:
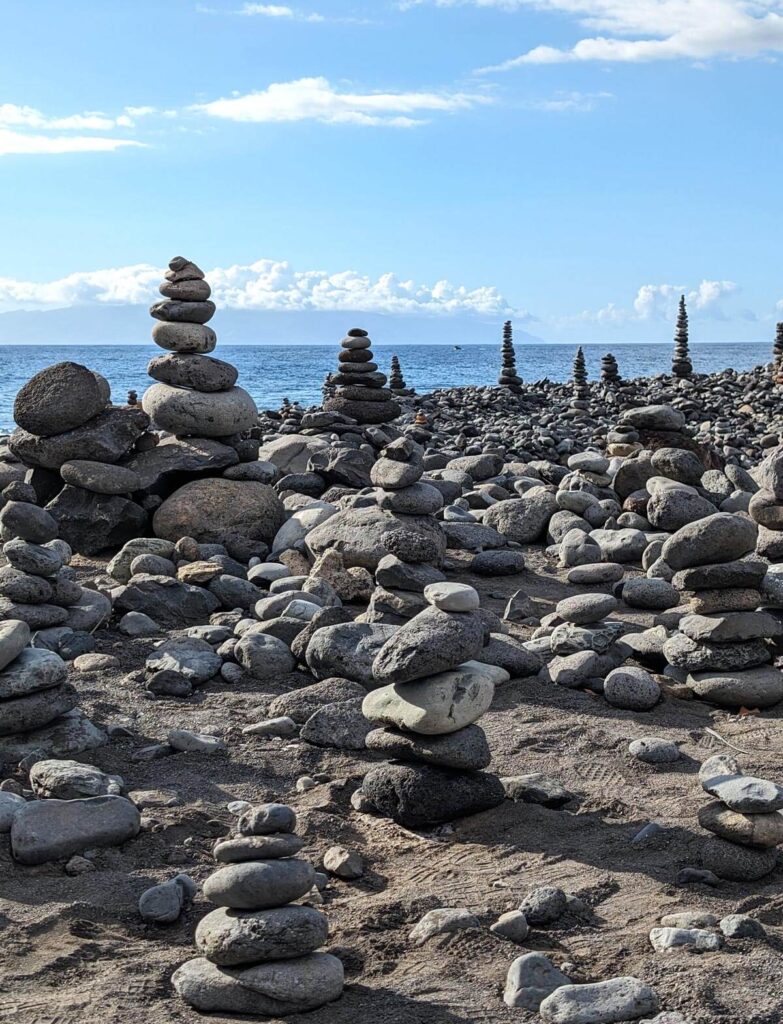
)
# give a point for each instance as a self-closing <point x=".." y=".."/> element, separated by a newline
<point x="271" y="372"/>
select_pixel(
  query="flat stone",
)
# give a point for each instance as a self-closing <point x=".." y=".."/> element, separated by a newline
<point x="34" y="559"/>
<point x="37" y="709"/>
<point x="650" y="594"/>
<point x="100" y="477"/>
<point x="50" y="829"/>
<point x="177" y="455"/>
<point x="173" y="605"/>
<point x="192" y="658"/>
<point x="697" y="939"/>
<point x="603" y="1002"/>
<point x="765" y="830"/>
<point x="750" y="688"/>
<point x="230" y="938"/>
<point x="199" y="372"/>
<point x="194" y="413"/>
<point x="584" y="609"/>
<point x="176" y="311"/>
<point x="256" y="885"/>
<point x="599" y="572"/>
<point x="70" y="780"/>
<point x="466" y="750"/>
<point x="745" y="793"/>
<point x="14" y="638"/>
<point x="184" y="337"/>
<point x="737" y="863"/>
<point x="268" y="847"/>
<point x="731" y="627"/>
<point x="692" y="656"/>
<point x="104" y="438"/>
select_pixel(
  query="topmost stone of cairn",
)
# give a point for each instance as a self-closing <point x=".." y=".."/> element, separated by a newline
<point x="196" y="394"/>
<point x="360" y="387"/>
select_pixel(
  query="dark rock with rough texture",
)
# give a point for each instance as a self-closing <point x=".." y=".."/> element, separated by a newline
<point x="208" y="509"/>
<point x="347" y="650"/>
<point x="233" y="937"/>
<point x="104" y="438"/>
<point x="417" y="795"/>
<point x="464" y="750"/>
<point x="91" y="522"/>
<point x="59" y="398"/>
<point x="166" y="601"/>
<point x="737" y="863"/>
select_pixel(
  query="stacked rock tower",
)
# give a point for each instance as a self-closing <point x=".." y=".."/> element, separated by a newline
<point x="402" y="575"/>
<point x="744" y="818"/>
<point x="509" y="378"/>
<point x="259" y="946"/>
<point x="430" y="695"/>
<point x="681" y="362"/>
<point x="360" y="390"/>
<point x="723" y="647"/>
<point x="610" y="372"/>
<point x="396" y="380"/>
<point x="777" y="353"/>
<point x="196" y="395"/>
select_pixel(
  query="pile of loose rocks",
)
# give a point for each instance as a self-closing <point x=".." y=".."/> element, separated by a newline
<point x="429" y="695"/>
<point x="360" y="390"/>
<point x="259" y="946"/>
<point x="744" y="818"/>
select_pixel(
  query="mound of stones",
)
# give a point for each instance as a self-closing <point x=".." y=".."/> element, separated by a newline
<point x="360" y="390"/>
<point x="429" y="693"/>
<point x="38" y="705"/>
<point x="744" y="818"/>
<point x="722" y="647"/>
<point x="259" y="946"/>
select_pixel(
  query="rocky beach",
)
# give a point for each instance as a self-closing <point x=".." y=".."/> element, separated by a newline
<point x="450" y="705"/>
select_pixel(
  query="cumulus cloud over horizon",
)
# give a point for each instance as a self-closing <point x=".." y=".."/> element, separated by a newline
<point x="263" y="285"/>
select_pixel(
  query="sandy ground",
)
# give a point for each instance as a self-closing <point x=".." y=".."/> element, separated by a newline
<point x="73" y="949"/>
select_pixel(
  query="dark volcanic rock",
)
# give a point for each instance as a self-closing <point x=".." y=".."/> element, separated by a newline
<point x="92" y="522"/>
<point x="104" y="438"/>
<point x="59" y="398"/>
<point x="418" y="795"/>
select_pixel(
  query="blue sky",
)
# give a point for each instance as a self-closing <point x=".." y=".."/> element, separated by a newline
<point x="573" y="164"/>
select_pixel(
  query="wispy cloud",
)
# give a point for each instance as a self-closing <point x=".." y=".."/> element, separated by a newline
<point x="316" y="99"/>
<point x="279" y="11"/>
<point x="264" y="285"/>
<point x="563" y="102"/>
<point x="637" y="31"/>
<point x="25" y="130"/>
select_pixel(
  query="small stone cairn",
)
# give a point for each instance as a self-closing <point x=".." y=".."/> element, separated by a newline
<point x="402" y="576"/>
<point x="777" y="354"/>
<point x="430" y="695"/>
<point x="360" y="390"/>
<point x="744" y="818"/>
<point x="681" y="362"/>
<point x="722" y="648"/>
<point x="509" y="378"/>
<point x="38" y="706"/>
<point x="579" y="405"/>
<point x="396" y="380"/>
<point x="610" y="372"/>
<point x="258" y="947"/>
<point x="195" y="394"/>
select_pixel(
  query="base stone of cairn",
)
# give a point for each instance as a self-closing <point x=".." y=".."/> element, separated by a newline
<point x="196" y="394"/>
<point x="360" y="390"/>
<point x="401" y="577"/>
<point x="430" y="695"/>
<point x="722" y="648"/>
<point x="744" y="818"/>
<point x="259" y="947"/>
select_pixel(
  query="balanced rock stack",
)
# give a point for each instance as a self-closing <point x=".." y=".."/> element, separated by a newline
<point x="37" y="703"/>
<point x="681" y="360"/>
<point x="430" y="695"/>
<point x="744" y="818"/>
<point x="777" y="354"/>
<point x="360" y="390"/>
<point x="766" y="509"/>
<point x="396" y="380"/>
<point x="259" y="946"/>
<point x="402" y="575"/>
<point x="36" y="585"/>
<point x="722" y="648"/>
<point x="196" y="394"/>
<point x="610" y="372"/>
<point x="579" y="403"/>
<point x="509" y="378"/>
<point x="71" y="439"/>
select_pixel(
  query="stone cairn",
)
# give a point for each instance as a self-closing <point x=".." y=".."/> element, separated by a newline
<point x="509" y="378"/>
<point x="721" y="650"/>
<point x="291" y="414"/>
<point x="579" y="404"/>
<point x="195" y="394"/>
<point x="72" y="439"/>
<point x="430" y="695"/>
<point x="744" y="818"/>
<point x="38" y="706"/>
<point x="396" y="380"/>
<point x="258" y="946"/>
<point x="681" y="362"/>
<point x="610" y="372"/>
<point x="777" y="354"/>
<point x="360" y="390"/>
<point x="401" y="576"/>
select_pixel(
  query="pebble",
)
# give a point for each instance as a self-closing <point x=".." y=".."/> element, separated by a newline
<point x="442" y="921"/>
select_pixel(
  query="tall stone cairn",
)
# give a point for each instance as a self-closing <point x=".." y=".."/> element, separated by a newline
<point x="360" y="390"/>
<point x="509" y="378"/>
<point x="777" y="354"/>
<point x="579" y="375"/>
<point x="610" y="372"/>
<point x="259" y="946"/>
<point x="681" y="361"/>
<point x="396" y="379"/>
<point x="429" y="696"/>
<point x="196" y="394"/>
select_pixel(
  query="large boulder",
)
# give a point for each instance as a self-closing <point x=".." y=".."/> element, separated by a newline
<point x="175" y="455"/>
<point x="364" y="536"/>
<point x="210" y="509"/>
<point x="722" y="537"/>
<point x="104" y="438"/>
<point x="59" y="398"/>
<point x="167" y="601"/>
<point x="92" y="522"/>
<point x="523" y="519"/>
<point x="217" y="414"/>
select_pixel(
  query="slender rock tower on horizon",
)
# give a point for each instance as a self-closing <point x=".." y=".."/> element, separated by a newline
<point x="681" y="363"/>
<point x="509" y="377"/>
<point x="777" y="352"/>
<point x="396" y="380"/>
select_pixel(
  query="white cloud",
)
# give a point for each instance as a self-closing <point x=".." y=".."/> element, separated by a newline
<point x="23" y="130"/>
<point x="633" y="31"/>
<point x="19" y="143"/>
<point x="316" y="99"/>
<point x="265" y="284"/>
<point x="659" y="301"/>
<point x="562" y="102"/>
<point x="279" y="11"/>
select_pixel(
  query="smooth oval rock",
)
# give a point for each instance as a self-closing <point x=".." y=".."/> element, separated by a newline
<point x="198" y="414"/>
<point x="256" y="885"/>
<point x="233" y="937"/>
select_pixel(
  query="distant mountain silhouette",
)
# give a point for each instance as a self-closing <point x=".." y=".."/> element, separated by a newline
<point x="124" y="325"/>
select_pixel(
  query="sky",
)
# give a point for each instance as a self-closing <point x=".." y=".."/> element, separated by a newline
<point x="574" y="165"/>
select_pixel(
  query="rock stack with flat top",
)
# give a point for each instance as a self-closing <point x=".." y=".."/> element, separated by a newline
<point x="196" y="395"/>
<point x="777" y="353"/>
<point x="401" y="576"/>
<point x="259" y="946"/>
<point x="360" y="390"/>
<point x="722" y="647"/>
<point x="744" y="818"/>
<point x="610" y="372"/>
<point x="431" y="693"/>
<point x="509" y="378"/>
